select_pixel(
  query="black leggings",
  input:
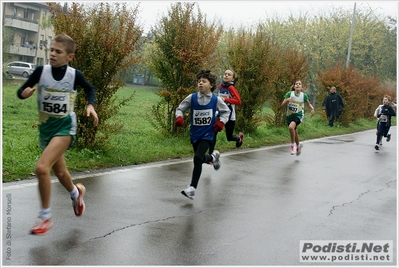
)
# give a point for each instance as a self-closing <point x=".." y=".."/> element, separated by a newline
<point x="229" y="127"/>
<point x="200" y="157"/>
<point x="382" y="131"/>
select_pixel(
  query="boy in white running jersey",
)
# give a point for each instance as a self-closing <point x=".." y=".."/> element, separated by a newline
<point x="56" y="94"/>
<point x="295" y="112"/>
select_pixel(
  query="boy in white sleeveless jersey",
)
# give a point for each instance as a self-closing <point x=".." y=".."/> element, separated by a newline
<point x="56" y="94"/>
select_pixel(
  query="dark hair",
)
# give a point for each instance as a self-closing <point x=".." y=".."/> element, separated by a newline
<point x="68" y="42"/>
<point x="208" y="75"/>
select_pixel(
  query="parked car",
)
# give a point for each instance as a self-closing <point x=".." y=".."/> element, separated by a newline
<point x="21" y="68"/>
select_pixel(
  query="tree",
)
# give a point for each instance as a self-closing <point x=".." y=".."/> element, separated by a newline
<point x="250" y="55"/>
<point x="266" y="70"/>
<point x="374" y="47"/>
<point x="362" y="93"/>
<point x="142" y="66"/>
<point x="106" y="36"/>
<point x="290" y="67"/>
<point x="324" y="40"/>
<point x="183" y="44"/>
<point x="8" y="40"/>
<point x="45" y="24"/>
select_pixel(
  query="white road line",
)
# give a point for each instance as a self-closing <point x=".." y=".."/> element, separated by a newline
<point x="19" y="185"/>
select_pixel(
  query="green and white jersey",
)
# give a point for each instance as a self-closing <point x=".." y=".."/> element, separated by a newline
<point x="296" y="108"/>
<point x="56" y="100"/>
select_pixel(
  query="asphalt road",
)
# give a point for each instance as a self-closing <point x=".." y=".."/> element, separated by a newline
<point x="255" y="210"/>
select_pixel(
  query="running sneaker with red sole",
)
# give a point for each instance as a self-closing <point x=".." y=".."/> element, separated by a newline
<point x="299" y="149"/>
<point x="241" y="138"/>
<point x="78" y="204"/>
<point x="293" y="150"/>
<point x="41" y="226"/>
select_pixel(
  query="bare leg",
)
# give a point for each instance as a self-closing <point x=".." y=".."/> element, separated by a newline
<point x="296" y="137"/>
<point x="51" y="155"/>
<point x="293" y="132"/>
<point x="62" y="173"/>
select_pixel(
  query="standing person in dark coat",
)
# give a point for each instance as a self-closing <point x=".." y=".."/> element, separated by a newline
<point x="333" y="105"/>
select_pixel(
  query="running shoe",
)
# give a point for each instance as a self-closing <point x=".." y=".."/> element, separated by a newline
<point x="215" y="162"/>
<point x="189" y="192"/>
<point x="388" y="137"/>
<point x="41" y="226"/>
<point x="78" y="204"/>
<point x="241" y="138"/>
<point x="377" y="147"/>
<point x="293" y="150"/>
<point x="298" y="150"/>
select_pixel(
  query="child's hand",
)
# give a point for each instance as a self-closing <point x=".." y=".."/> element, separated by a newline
<point x="90" y="111"/>
<point x="27" y="92"/>
<point x="218" y="126"/>
<point x="311" y="113"/>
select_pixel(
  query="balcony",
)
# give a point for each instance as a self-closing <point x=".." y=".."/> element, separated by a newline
<point x="24" y="51"/>
<point x="21" y="23"/>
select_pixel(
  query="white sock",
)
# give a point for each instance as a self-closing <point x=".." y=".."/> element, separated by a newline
<point x="45" y="213"/>
<point x="74" y="193"/>
<point x="293" y="144"/>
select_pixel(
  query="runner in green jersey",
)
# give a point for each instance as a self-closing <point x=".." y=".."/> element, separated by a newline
<point x="56" y="95"/>
<point x="295" y="101"/>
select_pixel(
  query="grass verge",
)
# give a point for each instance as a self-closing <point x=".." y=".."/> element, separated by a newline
<point x="137" y="142"/>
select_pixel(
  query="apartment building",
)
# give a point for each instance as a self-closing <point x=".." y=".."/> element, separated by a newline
<point x="31" y="39"/>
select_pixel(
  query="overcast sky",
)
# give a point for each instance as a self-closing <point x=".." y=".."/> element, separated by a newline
<point x="237" y="13"/>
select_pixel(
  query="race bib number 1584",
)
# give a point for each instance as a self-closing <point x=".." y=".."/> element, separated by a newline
<point x="56" y="103"/>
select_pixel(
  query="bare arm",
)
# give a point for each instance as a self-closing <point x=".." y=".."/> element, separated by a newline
<point x="311" y="107"/>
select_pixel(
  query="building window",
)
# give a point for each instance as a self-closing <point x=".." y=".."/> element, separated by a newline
<point x="22" y="35"/>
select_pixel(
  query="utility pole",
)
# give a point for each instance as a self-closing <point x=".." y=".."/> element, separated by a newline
<point x="350" y="36"/>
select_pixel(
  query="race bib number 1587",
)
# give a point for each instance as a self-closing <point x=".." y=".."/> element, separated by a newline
<point x="202" y="117"/>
